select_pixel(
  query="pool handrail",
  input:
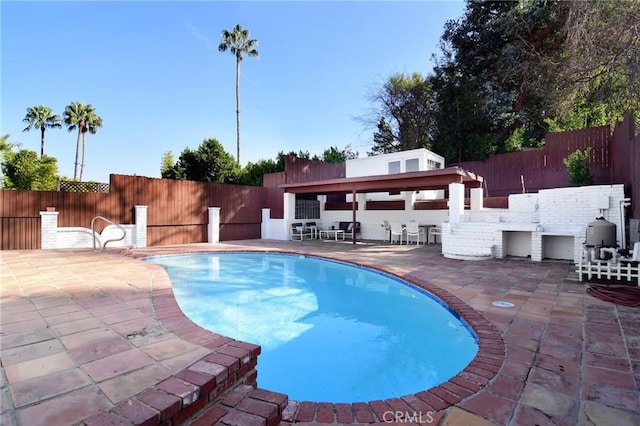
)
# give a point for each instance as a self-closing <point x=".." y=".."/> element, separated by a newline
<point x="93" y="232"/>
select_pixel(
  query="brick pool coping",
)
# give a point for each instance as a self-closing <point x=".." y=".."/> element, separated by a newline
<point x="240" y="359"/>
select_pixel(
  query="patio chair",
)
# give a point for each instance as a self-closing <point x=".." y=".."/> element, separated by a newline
<point x="311" y="227"/>
<point x="348" y="233"/>
<point x="395" y="229"/>
<point x="434" y="232"/>
<point x="298" y="231"/>
<point x="387" y="230"/>
<point x="413" y="230"/>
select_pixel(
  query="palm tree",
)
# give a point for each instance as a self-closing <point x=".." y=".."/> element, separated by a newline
<point x="41" y="117"/>
<point x="238" y="43"/>
<point x="83" y="118"/>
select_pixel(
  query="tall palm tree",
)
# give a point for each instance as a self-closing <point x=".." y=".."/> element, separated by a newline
<point x="41" y="117"/>
<point x="83" y="118"/>
<point x="238" y="43"/>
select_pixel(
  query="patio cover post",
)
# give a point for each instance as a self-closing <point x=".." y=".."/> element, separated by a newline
<point x="353" y="221"/>
<point x="213" y="227"/>
<point x="456" y="202"/>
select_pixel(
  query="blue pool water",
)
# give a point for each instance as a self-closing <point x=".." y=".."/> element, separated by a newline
<point x="329" y="331"/>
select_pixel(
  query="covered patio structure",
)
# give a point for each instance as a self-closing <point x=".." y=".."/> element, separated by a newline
<point x="401" y="182"/>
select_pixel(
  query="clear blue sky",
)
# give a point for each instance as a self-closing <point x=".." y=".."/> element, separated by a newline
<point x="153" y="72"/>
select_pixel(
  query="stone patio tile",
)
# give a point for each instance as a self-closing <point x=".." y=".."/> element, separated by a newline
<point x="100" y="349"/>
<point x="507" y="387"/>
<point x="20" y="326"/>
<point x="69" y="317"/>
<point x="548" y="401"/>
<point x="38" y="367"/>
<point x="61" y="309"/>
<point x="525" y="328"/>
<point x="121" y="316"/>
<point x="7" y="318"/>
<point x="544" y="349"/>
<point x="516" y="370"/>
<point x="88" y="337"/>
<point x="127" y="386"/>
<point x="520" y="355"/>
<point x="458" y="417"/>
<point x="613" y="396"/>
<point x="168" y="348"/>
<point x="76" y="326"/>
<point x="14" y="304"/>
<point x="568" y="384"/>
<point x="605" y="348"/>
<point x="25" y="337"/>
<point x="526" y="415"/>
<point x="594" y="414"/>
<point x="489" y="406"/>
<point x="136" y="324"/>
<point x="178" y="362"/>
<point x="101" y="304"/>
<point x="65" y="410"/>
<point x="117" y="364"/>
<point x="41" y="388"/>
<point x="600" y="375"/>
<point x="569" y="364"/>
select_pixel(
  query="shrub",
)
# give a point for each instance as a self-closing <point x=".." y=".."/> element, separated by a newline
<point x="577" y="164"/>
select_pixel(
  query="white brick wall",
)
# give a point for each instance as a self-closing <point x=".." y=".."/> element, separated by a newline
<point x="53" y="237"/>
<point x="49" y="230"/>
<point x="563" y="213"/>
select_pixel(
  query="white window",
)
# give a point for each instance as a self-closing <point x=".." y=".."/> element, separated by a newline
<point x="412" y="165"/>
<point x="394" y="167"/>
<point x="433" y="165"/>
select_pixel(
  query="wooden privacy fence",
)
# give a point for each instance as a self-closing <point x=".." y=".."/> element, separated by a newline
<point x="177" y="210"/>
<point x="614" y="159"/>
<point x="543" y="168"/>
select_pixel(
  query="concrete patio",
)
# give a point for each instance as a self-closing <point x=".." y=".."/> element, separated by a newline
<point x="97" y="338"/>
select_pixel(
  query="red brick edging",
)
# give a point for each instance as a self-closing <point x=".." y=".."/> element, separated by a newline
<point x="197" y="390"/>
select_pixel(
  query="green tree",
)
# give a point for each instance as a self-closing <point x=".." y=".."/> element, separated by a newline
<point x="237" y="41"/>
<point x="83" y="118"/>
<point x="405" y="107"/>
<point x="25" y="170"/>
<point x="505" y="65"/>
<point x="167" y="164"/>
<point x="208" y="163"/>
<point x="383" y="140"/>
<point x="6" y="152"/>
<point x="280" y="158"/>
<point x="339" y="156"/>
<point x="577" y="164"/>
<point x="253" y="173"/>
<point x="41" y="118"/>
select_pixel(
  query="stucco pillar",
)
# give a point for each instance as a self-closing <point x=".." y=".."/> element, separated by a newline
<point x="213" y="228"/>
<point x="265" y="225"/>
<point x="141" y="226"/>
<point x="477" y="199"/>
<point x="409" y="200"/>
<point x="323" y="202"/>
<point x="361" y="199"/>
<point x="456" y="202"/>
<point x="289" y="208"/>
<point x="49" y="230"/>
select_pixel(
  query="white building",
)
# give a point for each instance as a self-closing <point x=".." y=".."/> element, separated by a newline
<point x="415" y="160"/>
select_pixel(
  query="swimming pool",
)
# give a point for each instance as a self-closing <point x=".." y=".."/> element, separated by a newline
<point x="329" y="331"/>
